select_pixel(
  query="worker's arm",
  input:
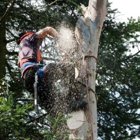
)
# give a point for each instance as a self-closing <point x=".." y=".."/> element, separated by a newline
<point x="47" y="31"/>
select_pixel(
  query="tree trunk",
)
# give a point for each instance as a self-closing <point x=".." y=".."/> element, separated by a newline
<point x="88" y="30"/>
<point x="2" y="51"/>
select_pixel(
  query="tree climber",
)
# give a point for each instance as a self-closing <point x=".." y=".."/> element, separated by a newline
<point x="30" y="62"/>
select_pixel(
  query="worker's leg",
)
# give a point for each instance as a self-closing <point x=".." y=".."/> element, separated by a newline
<point x="46" y="97"/>
<point x="29" y="78"/>
<point x="44" y="90"/>
<point x="45" y="94"/>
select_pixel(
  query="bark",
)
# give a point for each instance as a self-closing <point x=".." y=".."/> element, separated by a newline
<point x="3" y="42"/>
<point x="2" y="51"/>
<point x="88" y="30"/>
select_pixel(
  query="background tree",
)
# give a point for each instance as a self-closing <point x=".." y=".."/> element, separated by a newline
<point x="118" y="79"/>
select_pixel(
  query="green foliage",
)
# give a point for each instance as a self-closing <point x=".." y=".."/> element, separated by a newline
<point x="55" y="132"/>
<point x="12" y="117"/>
<point x="16" y="122"/>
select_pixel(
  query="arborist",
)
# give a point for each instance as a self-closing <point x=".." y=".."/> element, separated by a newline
<point x="30" y="63"/>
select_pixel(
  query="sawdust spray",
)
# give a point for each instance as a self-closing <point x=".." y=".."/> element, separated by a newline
<point x="66" y="40"/>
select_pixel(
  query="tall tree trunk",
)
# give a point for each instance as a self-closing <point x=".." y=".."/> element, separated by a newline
<point x="88" y="30"/>
<point x="2" y="51"/>
<point x="6" y="8"/>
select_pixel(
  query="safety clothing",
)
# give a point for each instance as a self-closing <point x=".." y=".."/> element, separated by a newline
<point x="29" y="53"/>
<point x="29" y="49"/>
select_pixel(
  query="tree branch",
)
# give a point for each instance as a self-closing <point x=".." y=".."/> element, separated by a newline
<point x="7" y="11"/>
<point x="48" y="4"/>
<point x="36" y="119"/>
<point x="130" y="56"/>
<point x="51" y="3"/>
<point x="11" y="53"/>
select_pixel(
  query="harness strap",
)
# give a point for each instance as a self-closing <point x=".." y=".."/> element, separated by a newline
<point x="20" y="62"/>
<point x="27" y="65"/>
<point x="26" y="34"/>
